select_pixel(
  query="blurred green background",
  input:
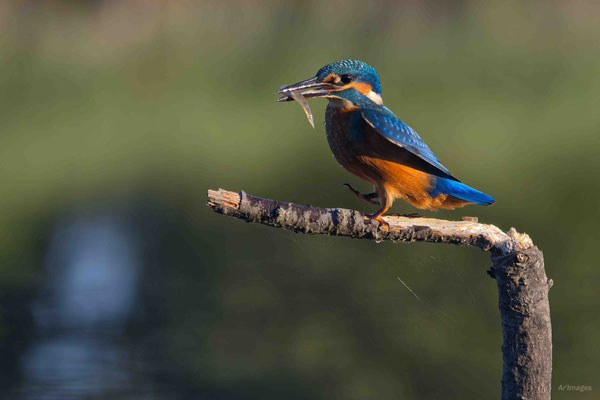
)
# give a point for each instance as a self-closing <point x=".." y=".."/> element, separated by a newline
<point x="117" y="116"/>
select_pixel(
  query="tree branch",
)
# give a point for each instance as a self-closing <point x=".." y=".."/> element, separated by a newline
<point x="518" y="267"/>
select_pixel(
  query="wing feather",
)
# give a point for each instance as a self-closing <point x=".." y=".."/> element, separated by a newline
<point x="399" y="133"/>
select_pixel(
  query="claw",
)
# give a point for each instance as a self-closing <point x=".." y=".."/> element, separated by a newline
<point x="365" y="196"/>
<point x="411" y="215"/>
<point x="378" y="219"/>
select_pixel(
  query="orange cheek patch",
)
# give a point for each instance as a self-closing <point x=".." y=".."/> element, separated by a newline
<point x="362" y="87"/>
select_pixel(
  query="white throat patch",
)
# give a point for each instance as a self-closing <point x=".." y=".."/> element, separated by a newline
<point x="375" y="97"/>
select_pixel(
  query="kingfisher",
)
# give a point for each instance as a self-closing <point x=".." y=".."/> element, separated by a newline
<point x="369" y="141"/>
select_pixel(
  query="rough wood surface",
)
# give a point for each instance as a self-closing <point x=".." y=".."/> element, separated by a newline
<point x="518" y="267"/>
<point x="344" y="222"/>
<point x="526" y="329"/>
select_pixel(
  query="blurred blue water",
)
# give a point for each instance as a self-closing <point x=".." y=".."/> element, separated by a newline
<point x="92" y="274"/>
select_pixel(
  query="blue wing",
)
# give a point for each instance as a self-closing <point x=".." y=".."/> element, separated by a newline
<point x="389" y="126"/>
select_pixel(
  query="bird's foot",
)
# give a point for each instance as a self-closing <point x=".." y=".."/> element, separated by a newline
<point x="377" y="217"/>
<point x="365" y="196"/>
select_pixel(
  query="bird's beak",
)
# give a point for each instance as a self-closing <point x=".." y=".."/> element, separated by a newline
<point x="312" y="83"/>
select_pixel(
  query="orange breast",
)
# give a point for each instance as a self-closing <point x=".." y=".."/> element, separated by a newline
<point x="399" y="180"/>
<point x="390" y="168"/>
<point x="405" y="182"/>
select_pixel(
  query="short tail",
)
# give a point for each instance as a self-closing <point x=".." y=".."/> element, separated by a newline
<point x="462" y="191"/>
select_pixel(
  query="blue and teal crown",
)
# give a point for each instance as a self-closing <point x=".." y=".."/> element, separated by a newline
<point x="361" y="71"/>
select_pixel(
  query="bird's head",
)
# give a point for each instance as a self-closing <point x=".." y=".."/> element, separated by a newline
<point x="340" y="80"/>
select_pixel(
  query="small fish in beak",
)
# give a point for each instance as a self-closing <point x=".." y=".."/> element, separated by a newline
<point x="293" y="92"/>
<point x="296" y="95"/>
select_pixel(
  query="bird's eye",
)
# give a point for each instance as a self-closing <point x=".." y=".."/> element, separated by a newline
<point x="346" y="78"/>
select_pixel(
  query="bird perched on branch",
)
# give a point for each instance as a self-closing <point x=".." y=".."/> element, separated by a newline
<point x="368" y="140"/>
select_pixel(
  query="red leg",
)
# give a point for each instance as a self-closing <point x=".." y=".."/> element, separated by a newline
<point x="377" y="216"/>
<point x="365" y="196"/>
<point x="386" y="202"/>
